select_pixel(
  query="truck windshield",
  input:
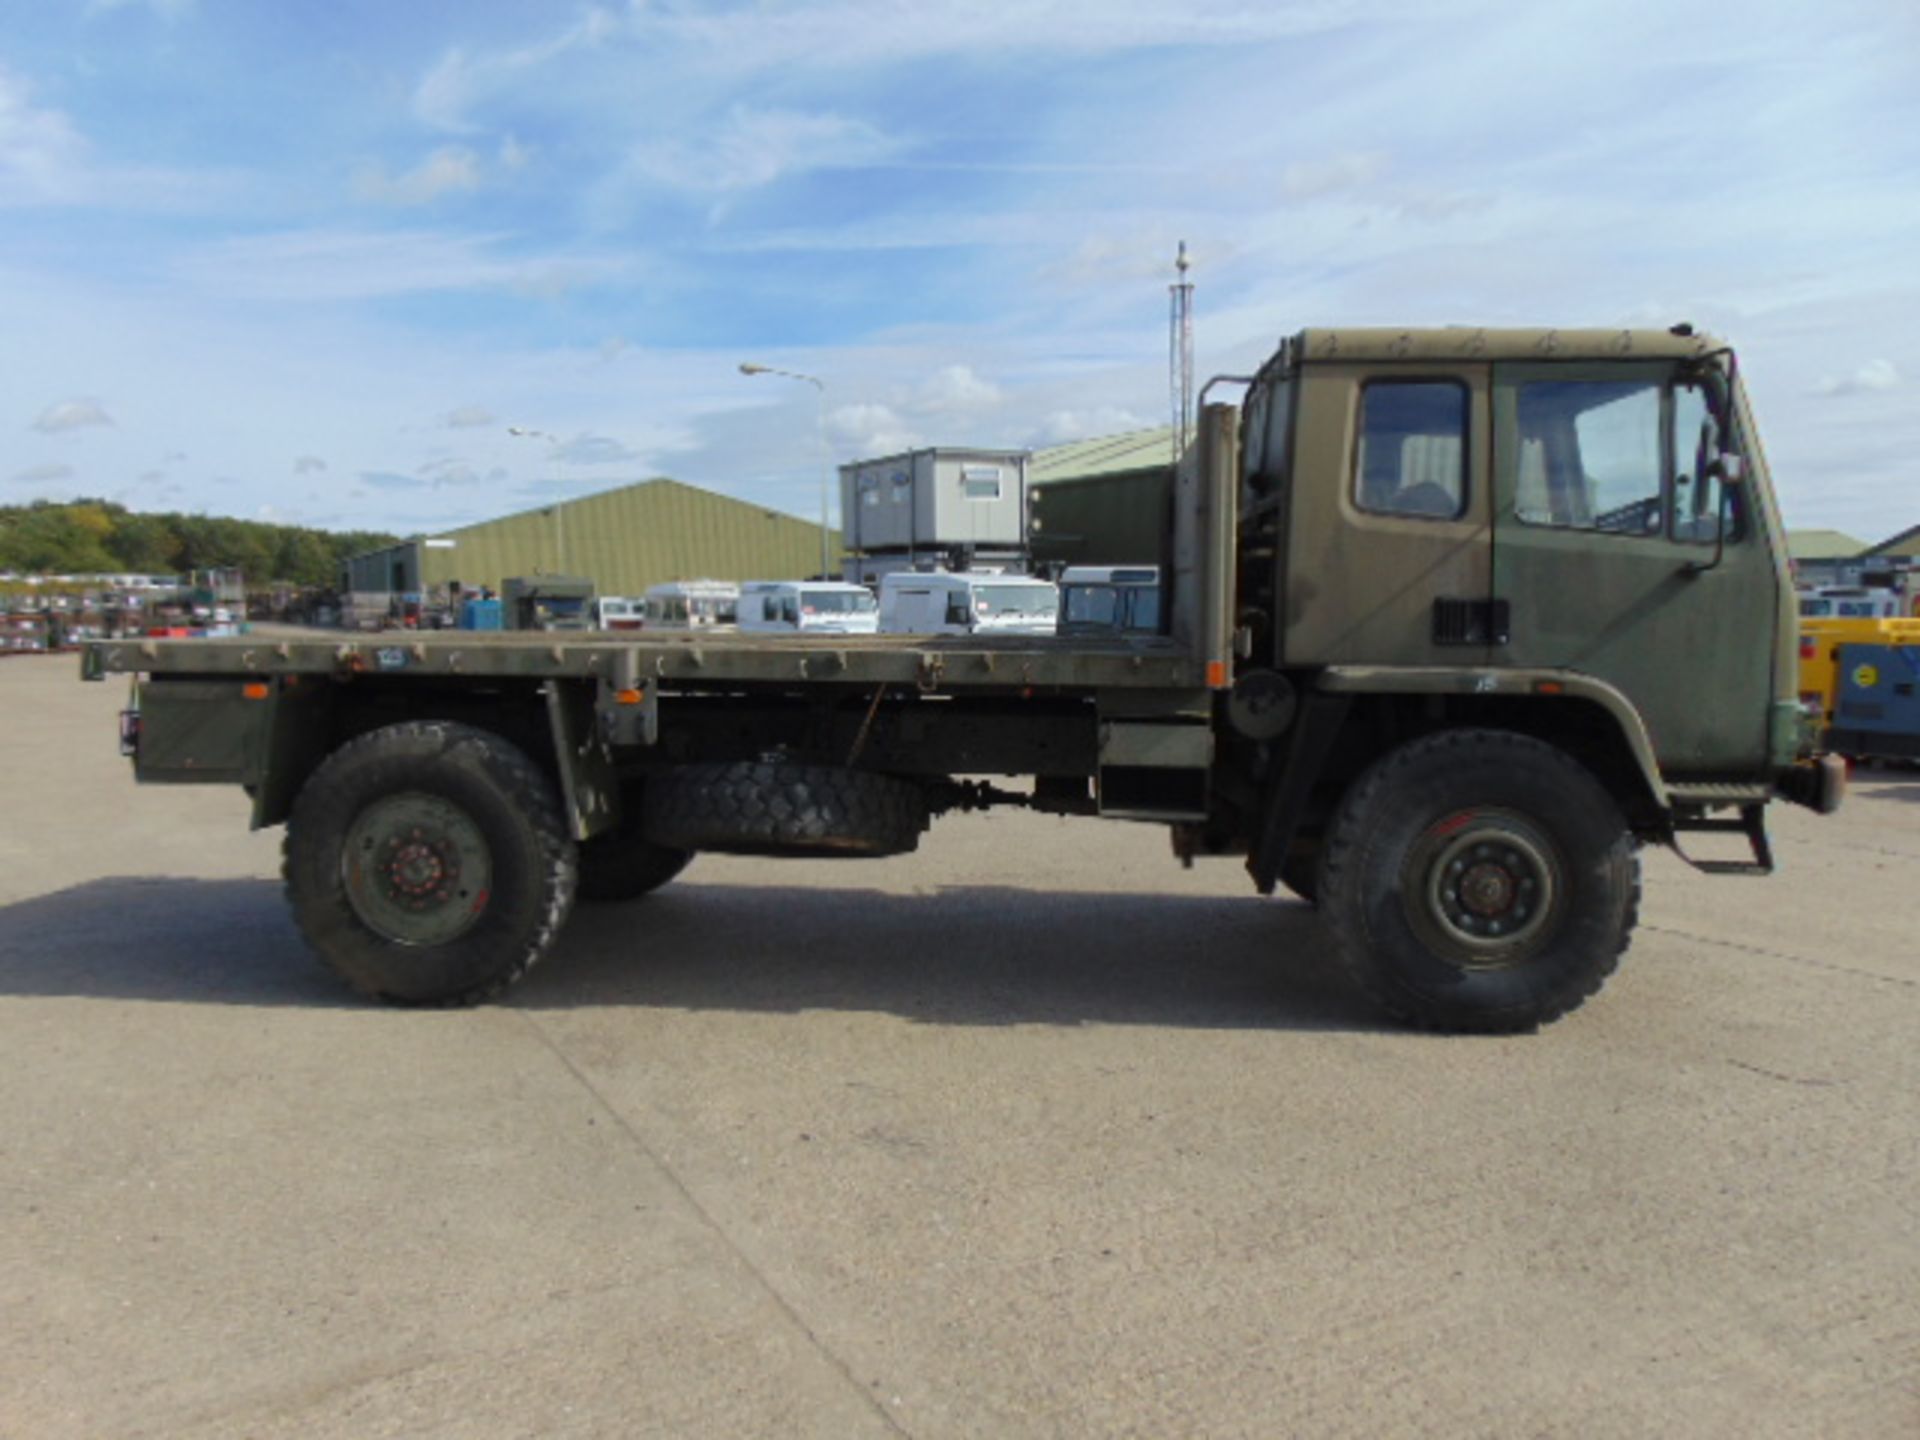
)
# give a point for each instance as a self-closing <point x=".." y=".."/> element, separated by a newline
<point x="1015" y="599"/>
<point x="837" y="602"/>
<point x="1111" y="607"/>
<point x="1090" y="605"/>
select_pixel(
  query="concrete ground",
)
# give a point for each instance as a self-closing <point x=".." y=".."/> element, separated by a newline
<point x="1029" y="1134"/>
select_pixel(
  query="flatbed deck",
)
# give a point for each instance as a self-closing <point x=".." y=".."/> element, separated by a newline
<point x="948" y="663"/>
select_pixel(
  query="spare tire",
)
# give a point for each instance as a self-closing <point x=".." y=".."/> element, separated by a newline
<point x="762" y="807"/>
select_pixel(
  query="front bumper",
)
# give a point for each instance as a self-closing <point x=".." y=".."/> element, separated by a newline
<point x="1819" y="784"/>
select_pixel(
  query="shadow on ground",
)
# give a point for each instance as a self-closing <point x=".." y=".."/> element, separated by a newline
<point x="961" y="955"/>
<point x="1884" y="782"/>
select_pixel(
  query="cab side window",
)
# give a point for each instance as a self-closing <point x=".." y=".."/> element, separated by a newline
<point x="1412" y="454"/>
<point x="1699" y="501"/>
<point x="1591" y="456"/>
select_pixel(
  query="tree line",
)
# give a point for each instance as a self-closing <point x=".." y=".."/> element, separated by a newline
<point x="78" y="537"/>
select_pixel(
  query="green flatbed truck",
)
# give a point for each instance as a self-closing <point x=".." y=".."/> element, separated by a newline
<point x="1456" y="621"/>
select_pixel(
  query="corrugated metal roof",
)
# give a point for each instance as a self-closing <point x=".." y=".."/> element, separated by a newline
<point x="1103" y="455"/>
<point x="1907" y="542"/>
<point x="1822" y="545"/>
<point x="627" y="539"/>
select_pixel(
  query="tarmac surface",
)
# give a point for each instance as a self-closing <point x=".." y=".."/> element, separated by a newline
<point x="1031" y="1133"/>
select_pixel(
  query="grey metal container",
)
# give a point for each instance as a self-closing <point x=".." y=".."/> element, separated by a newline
<point x="936" y="500"/>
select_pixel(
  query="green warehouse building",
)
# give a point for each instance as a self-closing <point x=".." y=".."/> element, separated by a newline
<point x="1102" y="501"/>
<point x="623" y="540"/>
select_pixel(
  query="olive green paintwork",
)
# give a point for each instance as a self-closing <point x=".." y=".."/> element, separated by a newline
<point x="1545" y="687"/>
<point x="1701" y="653"/>
<point x="1694" y="662"/>
<point x="927" y="663"/>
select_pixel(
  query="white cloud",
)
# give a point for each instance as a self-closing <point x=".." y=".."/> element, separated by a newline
<point x="470" y="417"/>
<point x="41" y="154"/>
<point x="593" y="450"/>
<point x="1060" y="426"/>
<point x="78" y="414"/>
<point x="1874" y="375"/>
<point x="869" y="429"/>
<point x="460" y="473"/>
<point x="450" y="170"/>
<point x="459" y="81"/>
<point x="1339" y="174"/>
<point x="845" y="34"/>
<point x="168" y="10"/>
<point x="955" y="389"/>
<point x="337" y="265"/>
<point x="754" y="147"/>
<point x="513" y="155"/>
<point x="309" y="465"/>
<point x="44" y="474"/>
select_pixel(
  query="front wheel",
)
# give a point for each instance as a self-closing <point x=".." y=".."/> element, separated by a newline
<point x="1479" y="880"/>
<point x="428" y="864"/>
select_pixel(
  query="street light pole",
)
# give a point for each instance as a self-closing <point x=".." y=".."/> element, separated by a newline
<point x="559" y="526"/>
<point x="747" y="367"/>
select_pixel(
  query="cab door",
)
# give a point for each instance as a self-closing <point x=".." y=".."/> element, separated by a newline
<point x="1388" y="558"/>
<point x="1604" y="554"/>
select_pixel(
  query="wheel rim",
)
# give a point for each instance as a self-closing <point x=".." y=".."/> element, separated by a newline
<point x="1484" y="889"/>
<point x="416" y="869"/>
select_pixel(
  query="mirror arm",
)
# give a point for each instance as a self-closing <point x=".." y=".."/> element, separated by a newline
<point x="1697" y="567"/>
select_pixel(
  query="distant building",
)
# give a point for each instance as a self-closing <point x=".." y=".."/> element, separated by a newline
<point x="1103" y="501"/>
<point x="1823" y="557"/>
<point x="1903" y="548"/>
<point x="623" y="540"/>
<point x="942" y="505"/>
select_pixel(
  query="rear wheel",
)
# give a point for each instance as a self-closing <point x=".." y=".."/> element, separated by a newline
<point x="428" y="864"/>
<point x="622" y="864"/>
<point x="1479" y="880"/>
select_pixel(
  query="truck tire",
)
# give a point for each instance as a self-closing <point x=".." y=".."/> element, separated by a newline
<point x="623" y="864"/>
<point x="1300" y="873"/>
<point x="760" y="807"/>
<point x="1479" y="880"/>
<point x="428" y="864"/>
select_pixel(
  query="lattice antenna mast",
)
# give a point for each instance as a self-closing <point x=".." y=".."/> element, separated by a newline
<point x="1180" y="353"/>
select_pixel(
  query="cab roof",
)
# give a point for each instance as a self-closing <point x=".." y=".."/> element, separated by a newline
<point x="1465" y="342"/>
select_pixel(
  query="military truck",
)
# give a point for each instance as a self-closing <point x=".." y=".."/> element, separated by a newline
<point x="547" y="602"/>
<point x="1455" y="622"/>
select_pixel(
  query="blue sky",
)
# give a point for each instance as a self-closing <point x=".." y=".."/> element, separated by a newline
<point x="310" y="261"/>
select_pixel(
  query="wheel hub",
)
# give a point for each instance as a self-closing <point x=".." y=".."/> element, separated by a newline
<point x="1482" y="885"/>
<point x="416" y="869"/>
<point x="421" y="869"/>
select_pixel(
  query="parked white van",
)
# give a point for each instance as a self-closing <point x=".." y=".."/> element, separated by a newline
<point x="974" y="602"/>
<point x="830" y="607"/>
<point x="616" y="612"/>
<point x="692" y="604"/>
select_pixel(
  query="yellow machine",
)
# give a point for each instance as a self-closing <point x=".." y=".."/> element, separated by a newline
<point x="1820" y="642"/>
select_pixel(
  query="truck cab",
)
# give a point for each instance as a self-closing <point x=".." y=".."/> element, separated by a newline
<point x="1588" y="508"/>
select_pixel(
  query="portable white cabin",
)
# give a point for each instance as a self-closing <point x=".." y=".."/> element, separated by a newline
<point x="936" y="500"/>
